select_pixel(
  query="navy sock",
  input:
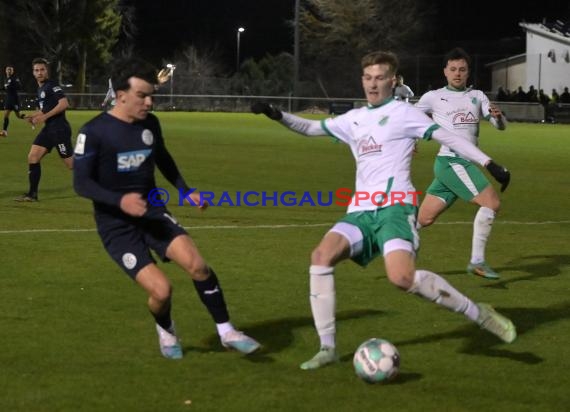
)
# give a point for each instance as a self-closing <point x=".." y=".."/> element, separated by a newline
<point x="212" y="297"/>
<point x="163" y="319"/>
<point x="6" y="123"/>
<point x="34" y="175"/>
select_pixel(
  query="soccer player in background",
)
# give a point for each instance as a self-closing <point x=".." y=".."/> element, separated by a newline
<point x="56" y="132"/>
<point x="12" y="85"/>
<point x="115" y="158"/>
<point x="460" y="109"/>
<point x="110" y="97"/>
<point x="402" y="91"/>
<point x="381" y="137"/>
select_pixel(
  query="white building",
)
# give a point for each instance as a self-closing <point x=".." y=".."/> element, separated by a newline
<point x="545" y="65"/>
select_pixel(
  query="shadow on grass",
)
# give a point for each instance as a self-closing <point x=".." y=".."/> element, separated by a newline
<point x="537" y="267"/>
<point x="485" y="344"/>
<point x="277" y="335"/>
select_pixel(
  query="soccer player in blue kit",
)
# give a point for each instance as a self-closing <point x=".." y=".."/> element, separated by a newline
<point x="56" y="132"/>
<point x="12" y="85"/>
<point x="115" y="158"/>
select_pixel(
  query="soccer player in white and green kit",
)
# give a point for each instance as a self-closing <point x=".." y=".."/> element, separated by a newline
<point x="460" y="109"/>
<point x="381" y="137"/>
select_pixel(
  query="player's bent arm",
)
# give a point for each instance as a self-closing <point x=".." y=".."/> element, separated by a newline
<point x="60" y="107"/>
<point x="303" y="126"/>
<point x="463" y="147"/>
<point x="169" y="169"/>
<point x="470" y="152"/>
<point x="85" y="186"/>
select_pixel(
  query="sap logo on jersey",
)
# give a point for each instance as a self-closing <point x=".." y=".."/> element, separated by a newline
<point x="131" y="161"/>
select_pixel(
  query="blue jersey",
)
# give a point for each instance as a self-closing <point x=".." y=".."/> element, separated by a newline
<point x="113" y="157"/>
<point x="12" y="85"/>
<point x="49" y="94"/>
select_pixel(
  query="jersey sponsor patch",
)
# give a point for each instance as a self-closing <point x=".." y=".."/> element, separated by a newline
<point x="131" y="161"/>
<point x="460" y="119"/>
<point x="80" y="144"/>
<point x="367" y="146"/>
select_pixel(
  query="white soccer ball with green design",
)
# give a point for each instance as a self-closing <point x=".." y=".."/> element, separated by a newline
<point x="376" y="360"/>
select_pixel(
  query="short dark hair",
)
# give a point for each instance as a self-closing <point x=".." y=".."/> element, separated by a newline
<point x="457" y="54"/>
<point x="40" y="60"/>
<point x="381" y="57"/>
<point x="126" y="68"/>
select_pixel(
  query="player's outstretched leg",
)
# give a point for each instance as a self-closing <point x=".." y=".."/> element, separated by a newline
<point x="496" y="323"/>
<point x="436" y="289"/>
<point x="169" y="343"/>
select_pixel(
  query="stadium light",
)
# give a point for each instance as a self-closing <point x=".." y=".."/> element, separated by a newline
<point x="240" y="30"/>
<point x="171" y="67"/>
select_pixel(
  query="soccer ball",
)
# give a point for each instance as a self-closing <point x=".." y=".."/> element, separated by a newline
<point x="376" y="360"/>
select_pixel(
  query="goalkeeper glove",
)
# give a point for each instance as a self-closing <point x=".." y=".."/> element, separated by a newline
<point x="267" y="109"/>
<point x="500" y="173"/>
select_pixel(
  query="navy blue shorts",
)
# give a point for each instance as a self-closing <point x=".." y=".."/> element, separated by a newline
<point x="12" y="104"/>
<point x="129" y="240"/>
<point x="60" y="138"/>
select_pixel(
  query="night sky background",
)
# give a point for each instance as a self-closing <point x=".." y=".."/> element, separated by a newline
<point x="481" y="27"/>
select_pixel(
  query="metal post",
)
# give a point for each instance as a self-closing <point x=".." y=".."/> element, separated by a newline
<point x="240" y="30"/>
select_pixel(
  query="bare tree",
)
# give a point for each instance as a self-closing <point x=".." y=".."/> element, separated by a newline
<point x="195" y="67"/>
<point x="68" y="32"/>
<point x="336" y="33"/>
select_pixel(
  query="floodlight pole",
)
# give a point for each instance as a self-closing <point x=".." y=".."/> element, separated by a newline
<point x="296" y="51"/>
<point x="240" y="30"/>
<point x="171" y="67"/>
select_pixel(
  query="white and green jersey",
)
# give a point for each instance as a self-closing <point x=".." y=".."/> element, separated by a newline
<point x="458" y="111"/>
<point x="382" y="140"/>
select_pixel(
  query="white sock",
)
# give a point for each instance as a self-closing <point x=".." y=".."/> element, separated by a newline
<point x="435" y="288"/>
<point x="481" y="231"/>
<point x="224" y="328"/>
<point x="323" y="303"/>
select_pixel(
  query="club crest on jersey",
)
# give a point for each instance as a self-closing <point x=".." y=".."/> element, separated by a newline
<point x="42" y="94"/>
<point x="465" y="118"/>
<point x="367" y="146"/>
<point x="147" y="137"/>
<point x="131" y="161"/>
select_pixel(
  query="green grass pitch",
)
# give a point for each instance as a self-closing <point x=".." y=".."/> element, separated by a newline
<point x="76" y="334"/>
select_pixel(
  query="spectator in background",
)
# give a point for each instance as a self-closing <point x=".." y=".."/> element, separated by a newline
<point x="402" y="91"/>
<point x="554" y="98"/>
<point x="544" y="100"/>
<point x="565" y="96"/>
<point x="520" y="95"/>
<point x="501" y="95"/>
<point x="532" y="95"/>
